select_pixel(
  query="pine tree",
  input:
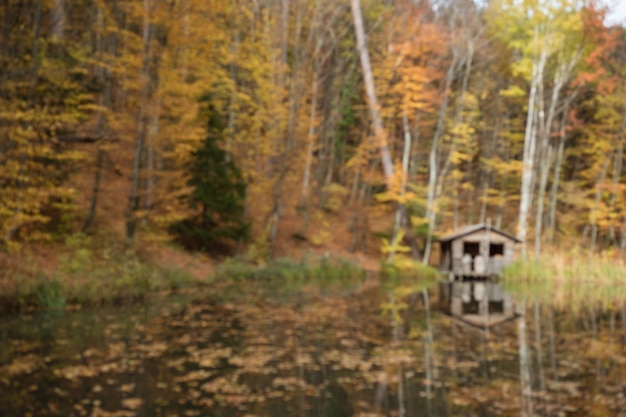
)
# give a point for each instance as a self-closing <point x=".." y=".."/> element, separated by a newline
<point x="218" y="192"/>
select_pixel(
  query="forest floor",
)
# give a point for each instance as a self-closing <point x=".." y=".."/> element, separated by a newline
<point x="337" y="245"/>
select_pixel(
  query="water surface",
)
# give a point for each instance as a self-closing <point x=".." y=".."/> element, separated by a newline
<point x="371" y="351"/>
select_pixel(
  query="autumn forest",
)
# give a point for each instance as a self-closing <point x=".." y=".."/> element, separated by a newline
<point x="236" y="207"/>
<point x="359" y="120"/>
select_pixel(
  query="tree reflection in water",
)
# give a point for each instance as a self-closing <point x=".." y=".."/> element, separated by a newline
<point x="361" y="353"/>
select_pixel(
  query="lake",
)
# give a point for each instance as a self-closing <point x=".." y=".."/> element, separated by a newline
<point x="371" y="351"/>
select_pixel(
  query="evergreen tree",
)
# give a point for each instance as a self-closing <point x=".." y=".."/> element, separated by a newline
<point x="218" y="192"/>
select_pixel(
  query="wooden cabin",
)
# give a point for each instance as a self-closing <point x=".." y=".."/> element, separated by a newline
<point x="476" y="251"/>
<point x="482" y="304"/>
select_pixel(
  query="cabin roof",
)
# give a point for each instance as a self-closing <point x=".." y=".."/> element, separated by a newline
<point x="468" y="230"/>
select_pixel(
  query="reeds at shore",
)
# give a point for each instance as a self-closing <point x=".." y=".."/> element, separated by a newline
<point x="571" y="279"/>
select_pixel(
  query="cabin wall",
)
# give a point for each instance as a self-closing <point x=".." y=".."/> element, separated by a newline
<point x="445" y="258"/>
<point x="457" y="255"/>
<point x="484" y="238"/>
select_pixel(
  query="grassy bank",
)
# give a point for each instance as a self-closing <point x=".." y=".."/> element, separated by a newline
<point x="572" y="279"/>
<point x="98" y="270"/>
<point x="572" y="267"/>
<point x="84" y="271"/>
<point x="404" y="277"/>
<point x="284" y="276"/>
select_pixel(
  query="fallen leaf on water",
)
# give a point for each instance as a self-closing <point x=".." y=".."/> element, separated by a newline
<point x="98" y="412"/>
<point x="132" y="403"/>
<point x="89" y="353"/>
<point x="73" y="372"/>
<point x="25" y="364"/>
<point x="153" y="350"/>
<point x="127" y="387"/>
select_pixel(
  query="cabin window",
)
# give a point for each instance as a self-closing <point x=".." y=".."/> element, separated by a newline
<point x="496" y="307"/>
<point x="472" y="307"/>
<point x="496" y="249"/>
<point x="471" y="248"/>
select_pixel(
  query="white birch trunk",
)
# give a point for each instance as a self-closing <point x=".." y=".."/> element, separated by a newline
<point x="557" y="175"/>
<point x="560" y="78"/>
<point x="530" y="143"/>
<point x="433" y="163"/>
<point x="405" y="173"/>
<point x="379" y="131"/>
<point x="370" y="88"/>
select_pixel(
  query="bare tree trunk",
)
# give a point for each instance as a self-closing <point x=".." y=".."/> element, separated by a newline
<point x="546" y="159"/>
<point x="458" y="120"/>
<point x="148" y="81"/>
<point x="304" y="196"/>
<point x="437" y="173"/>
<point x="105" y="103"/>
<point x="152" y="135"/>
<point x="433" y="163"/>
<point x="107" y="45"/>
<point x="356" y="180"/>
<point x="379" y="131"/>
<point x="405" y="172"/>
<point x="306" y="181"/>
<point x="58" y="19"/>
<point x="541" y="161"/>
<point x="291" y="118"/>
<point x="557" y="175"/>
<point x="560" y="78"/>
<point x="530" y="143"/>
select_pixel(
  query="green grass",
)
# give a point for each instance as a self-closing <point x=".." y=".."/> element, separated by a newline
<point x="529" y="270"/>
<point x="573" y="280"/>
<point x="49" y="294"/>
<point x="407" y="273"/>
<point x="287" y="275"/>
<point x="573" y="267"/>
<point x="91" y="271"/>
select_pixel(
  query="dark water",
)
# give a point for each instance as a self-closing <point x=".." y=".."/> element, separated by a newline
<point x="386" y="352"/>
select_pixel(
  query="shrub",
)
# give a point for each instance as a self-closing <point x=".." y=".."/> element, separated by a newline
<point x="49" y="293"/>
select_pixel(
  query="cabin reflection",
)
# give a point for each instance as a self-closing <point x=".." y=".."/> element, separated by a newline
<point x="482" y="304"/>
